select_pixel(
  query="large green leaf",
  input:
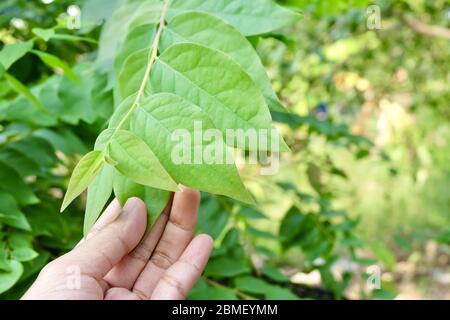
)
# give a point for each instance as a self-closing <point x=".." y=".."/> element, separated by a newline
<point x="9" y="278"/>
<point x="47" y="34"/>
<point x="55" y="62"/>
<point x="62" y="140"/>
<point x="251" y="284"/>
<point x="120" y="112"/>
<point x="202" y="290"/>
<point x="82" y="176"/>
<point x="249" y="17"/>
<point x="139" y="38"/>
<point x="137" y="161"/>
<point x="11" y="182"/>
<point x="125" y="188"/>
<point x="279" y="293"/>
<point x="37" y="149"/>
<point x="155" y="199"/>
<point x="132" y="72"/>
<point x="25" y="166"/>
<point x="98" y="194"/>
<point x="113" y="34"/>
<point x="204" y="29"/>
<point x="20" y="88"/>
<point x="213" y="81"/>
<point x="225" y="267"/>
<point x="13" y="52"/>
<point x="21" y="245"/>
<point x="192" y="161"/>
<point x="10" y="213"/>
<point x="76" y="96"/>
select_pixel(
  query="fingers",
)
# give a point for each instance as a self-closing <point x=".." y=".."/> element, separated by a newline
<point x="97" y="255"/>
<point x="125" y="273"/>
<point x="109" y="215"/>
<point x="177" y="235"/>
<point x="179" y="279"/>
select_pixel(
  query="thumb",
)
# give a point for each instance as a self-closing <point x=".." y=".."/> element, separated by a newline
<point x="98" y="255"/>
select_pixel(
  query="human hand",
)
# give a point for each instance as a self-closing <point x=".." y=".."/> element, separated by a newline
<point x="113" y="263"/>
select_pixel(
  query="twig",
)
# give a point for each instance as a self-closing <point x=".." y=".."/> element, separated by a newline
<point x="151" y="60"/>
<point x="426" y="29"/>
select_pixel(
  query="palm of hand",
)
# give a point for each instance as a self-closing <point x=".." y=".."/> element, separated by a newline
<point x="114" y="264"/>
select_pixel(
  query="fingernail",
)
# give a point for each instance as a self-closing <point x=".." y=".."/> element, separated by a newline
<point x="130" y="207"/>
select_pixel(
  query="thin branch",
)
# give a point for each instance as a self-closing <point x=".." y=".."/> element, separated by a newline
<point x="151" y="60"/>
<point x="426" y="29"/>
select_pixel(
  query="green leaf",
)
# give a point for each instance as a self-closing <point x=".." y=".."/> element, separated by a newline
<point x="249" y="17"/>
<point x="132" y="72"/>
<point x="55" y="62"/>
<point x="139" y="38"/>
<point x="381" y="294"/>
<point x="274" y="274"/>
<point x="21" y="245"/>
<point x="37" y="149"/>
<point x="213" y="81"/>
<point x="34" y="266"/>
<point x="76" y="96"/>
<point x="73" y="38"/>
<point x="202" y="28"/>
<point x="214" y="218"/>
<point x="137" y="161"/>
<point x="20" y="88"/>
<point x="44" y="34"/>
<point x="13" y="52"/>
<point x="128" y="16"/>
<point x="120" y="112"/>
<point x="279" y="293"/>
<point x="125" y="189"/>
<point x="4" y="254"/>
<point x="225" y="267"/>
<point x="104" y="139"/>
<point x="10" y="213"/>
<point x="102" y="98"/>
<point x="97" y="197"/>
<point x="203" y="291"/>
<point x="9" y="278"/>
<point x="83" y="174"/>
<point x="48" y="34"/>
<point x="47" y="92"/>
<point x="251" y="213"/>
<point x="13" y="183"/>
<point x="260" y="234"/>
<point x="21" y="110"/>
<point x="251" y="285"/>
<point x="384" y="254"/>
<point x="291" y="224"/>
<point x="197" y="164"/>
<point x="156" y="200"/>
<point x="22" y="164"/>
<point x="62" y="140"/>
